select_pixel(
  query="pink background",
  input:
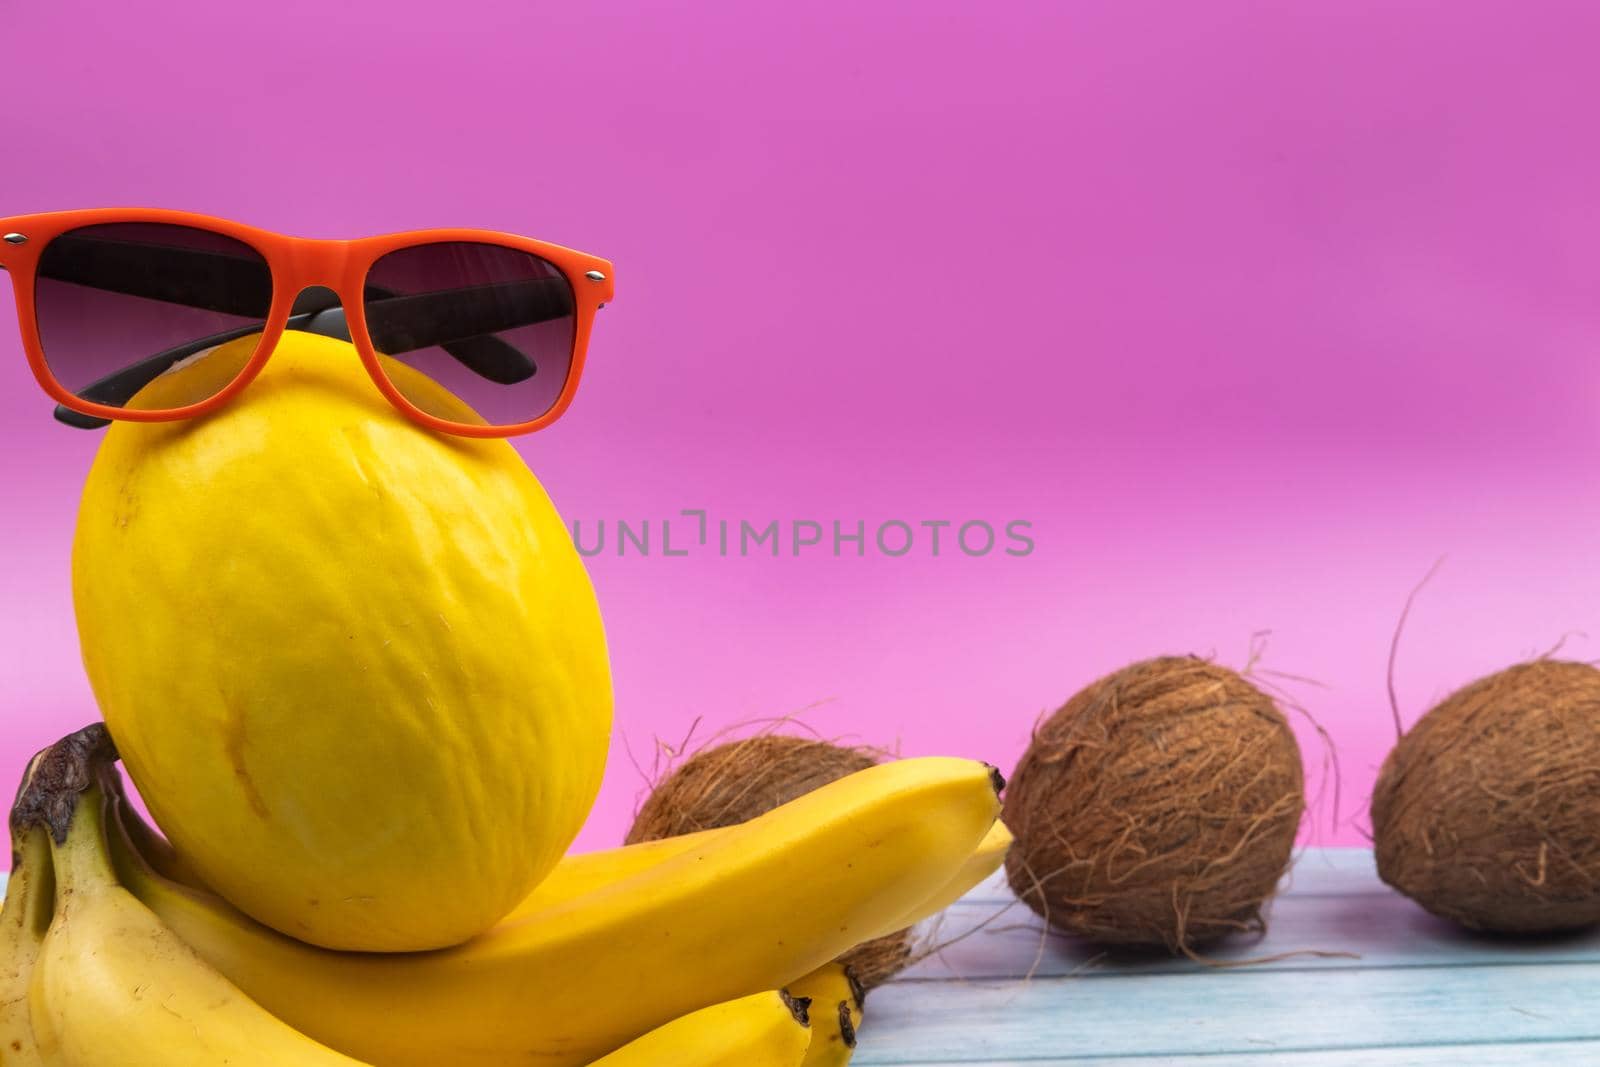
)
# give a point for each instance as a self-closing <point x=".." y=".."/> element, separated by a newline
<point x="1253" y="310"/>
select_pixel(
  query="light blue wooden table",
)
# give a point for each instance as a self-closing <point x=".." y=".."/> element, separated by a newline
<point x="1420" y="992"/>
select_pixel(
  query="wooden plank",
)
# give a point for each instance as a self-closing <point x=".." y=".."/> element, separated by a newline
<point x="1543" y="1053"/>
<point x="1383" y="930"/>
<point x="1238" y="1012"/>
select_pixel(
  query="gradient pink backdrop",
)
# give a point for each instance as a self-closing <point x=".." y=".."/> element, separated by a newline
<point x="1253" y="310"/>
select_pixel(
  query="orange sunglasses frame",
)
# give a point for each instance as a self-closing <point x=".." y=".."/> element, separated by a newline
<point x="296" y="264"/>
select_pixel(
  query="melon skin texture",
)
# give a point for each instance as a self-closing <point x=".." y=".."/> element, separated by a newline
<point x="355" y="668"/>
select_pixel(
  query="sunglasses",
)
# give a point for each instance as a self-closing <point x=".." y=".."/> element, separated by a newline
<point x="110" y="300"/>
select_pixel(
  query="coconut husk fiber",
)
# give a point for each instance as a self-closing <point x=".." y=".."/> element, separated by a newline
<point x="1158" y="807"/>
<point x="734" y="782"/>
<point x="1488" y="811"/>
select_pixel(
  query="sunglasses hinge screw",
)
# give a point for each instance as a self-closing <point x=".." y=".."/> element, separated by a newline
<point x="15" y="238"/>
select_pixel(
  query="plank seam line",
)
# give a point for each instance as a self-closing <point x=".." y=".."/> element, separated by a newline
<point x="1264" y="1053"/>
<point x="1245" y="972"/>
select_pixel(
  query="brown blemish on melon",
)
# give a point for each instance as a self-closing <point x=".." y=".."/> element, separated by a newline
<point x="235" y="736"/>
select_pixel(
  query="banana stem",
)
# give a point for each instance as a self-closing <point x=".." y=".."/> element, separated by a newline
<point x="82" y="863"/>
<point x="56" y="777"/>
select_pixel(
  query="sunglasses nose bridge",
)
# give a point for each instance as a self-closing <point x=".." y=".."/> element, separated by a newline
<point x="313" y="264"/>
<point x="317" y="309"/>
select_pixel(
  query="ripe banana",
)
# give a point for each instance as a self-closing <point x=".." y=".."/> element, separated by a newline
<point x="748" y="909"/>
<point x="160" y="854"/>
<point x="113" y="987"/>
<point x="581" y="873"/>
<point x="984" y="861"/>
<point x="835" y="1014"/>
<point x="30" y="896"/>
<point x="836" y="996"/>
<point x="763" y="1030"/>
<point x="578" y="874"/>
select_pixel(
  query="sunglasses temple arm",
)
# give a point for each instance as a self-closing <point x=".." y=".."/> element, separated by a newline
<point x="463" y="322"/>
<point x="192" y="277"/>
<point x="118" y="388"/>
<point x="405" y="323"/>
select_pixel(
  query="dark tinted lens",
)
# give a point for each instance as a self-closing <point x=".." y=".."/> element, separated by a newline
<point x="121" y="305"/>
<point x="493" y="326"/>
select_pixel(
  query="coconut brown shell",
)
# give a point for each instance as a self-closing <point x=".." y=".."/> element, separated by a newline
<point x="1488" y="811"/>
<point x="1157" y="807"/>
<point x="734" y="782"/>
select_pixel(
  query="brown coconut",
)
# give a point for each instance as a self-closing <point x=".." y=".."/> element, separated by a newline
<point x="1157" y="807"/>
<point x="1488" y="811"/>
<point x="734" y="782"/>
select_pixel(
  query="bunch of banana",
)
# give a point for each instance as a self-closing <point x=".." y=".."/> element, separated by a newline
<point x="109" y="985"/>
<point x="113" y="986"/>
<point x="92" y="977"/>
<point x="614" y="946"/>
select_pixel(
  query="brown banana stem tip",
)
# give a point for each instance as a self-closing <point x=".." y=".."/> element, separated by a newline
<point x="799" y="1007"/>
<point x="858" y="990"/>
<point x="55" y="778"/>
<point x="847" y="1026"/>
